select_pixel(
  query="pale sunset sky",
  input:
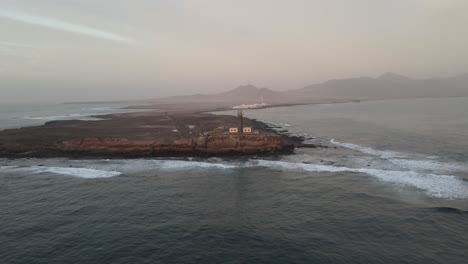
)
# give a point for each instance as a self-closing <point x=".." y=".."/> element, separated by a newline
<point x="58" y="50"/>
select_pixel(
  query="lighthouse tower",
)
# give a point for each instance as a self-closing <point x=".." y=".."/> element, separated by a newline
<point x="240" y="121"/>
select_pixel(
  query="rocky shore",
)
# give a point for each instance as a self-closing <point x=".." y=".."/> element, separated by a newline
<point x="148" y="134"/>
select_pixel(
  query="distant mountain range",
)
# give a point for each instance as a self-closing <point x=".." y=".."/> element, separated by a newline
<point x="389" y="86"/>
<point x="386" y="86"/>
<point x="242" y="94"/>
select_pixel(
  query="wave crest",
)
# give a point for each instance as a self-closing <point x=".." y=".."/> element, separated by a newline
<point x="406" y="161"/>
<point x="75" y="172"/>
<point x="441" y="186"/>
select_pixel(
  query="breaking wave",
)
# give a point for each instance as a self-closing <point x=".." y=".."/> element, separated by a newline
<point x="384" y="154"/>
<point x="441" y="186"/>
<point x="75" y="172"/>
<point x="144" y="165"/>
<point x="103" y="108"/>
<point x="110" y="168"/>
<point x="181" y="164"/>
<point x="405" y="161"/>
<point x="64" y="117"/>
<point x="436" y="185"/>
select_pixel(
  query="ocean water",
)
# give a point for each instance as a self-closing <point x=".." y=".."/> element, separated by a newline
<point x="391" y="187"/>
<point x="22" y="115"/>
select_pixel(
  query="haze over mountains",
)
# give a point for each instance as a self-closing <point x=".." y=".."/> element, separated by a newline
<point x="389" y="86"/>
<point x="386" y="86"/>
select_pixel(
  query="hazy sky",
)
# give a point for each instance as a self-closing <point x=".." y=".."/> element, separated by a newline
<point x="62" y="50"/>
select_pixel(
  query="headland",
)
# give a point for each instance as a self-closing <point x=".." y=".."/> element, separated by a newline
<point x="169" y="131"/>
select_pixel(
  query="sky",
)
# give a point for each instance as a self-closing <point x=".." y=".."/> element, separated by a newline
<point x="64" y="50"/>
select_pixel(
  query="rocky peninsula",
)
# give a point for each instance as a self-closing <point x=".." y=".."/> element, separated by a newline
<point x="158" y="133"/>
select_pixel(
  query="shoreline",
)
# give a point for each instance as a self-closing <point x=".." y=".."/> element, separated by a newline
<point x="163" y="130"/>
<point x="142" y="135"/>
<point x="196" y="108"/>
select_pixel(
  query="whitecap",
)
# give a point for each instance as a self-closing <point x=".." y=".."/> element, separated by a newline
<point x="429" y="165"/>
<point x="146" y="165"/>
<point x="103" y="108"/>
<point x="53" y="117"/>
<point x="404" y="160"/>
<point x="385" y="154"/>
<point x="75" y="172"/>
<point x="64" y="117"/>
<point x="441" y="186"/>
<point x="182" y="164"/>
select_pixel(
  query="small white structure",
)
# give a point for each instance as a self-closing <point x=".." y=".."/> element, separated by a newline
<point x="233" y="130"/>
<point x="250" y="106"/>
<point x="247" y="130"/>
<point x="262" y="104"/>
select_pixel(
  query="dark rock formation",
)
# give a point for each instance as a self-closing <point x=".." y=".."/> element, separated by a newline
<point x="145" y="135"/>
<point x="219" y="145"/>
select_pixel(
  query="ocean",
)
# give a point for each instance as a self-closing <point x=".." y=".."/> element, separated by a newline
<point x="22" y="115"/>
<point x="390" y="186"/>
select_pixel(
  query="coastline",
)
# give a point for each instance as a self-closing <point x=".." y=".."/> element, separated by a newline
<point x="143" y="134"/>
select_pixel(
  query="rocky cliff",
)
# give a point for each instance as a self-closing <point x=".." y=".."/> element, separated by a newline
<point x="153" y="134"/>
<point x="198" y="146"/>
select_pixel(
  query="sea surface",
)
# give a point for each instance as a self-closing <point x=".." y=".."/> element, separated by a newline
<point x="390" y="185"/>
<point x="22" y="115"/>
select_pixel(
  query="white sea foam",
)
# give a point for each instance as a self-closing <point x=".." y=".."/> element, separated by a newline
<point x="277" y="126"/>
<point x="442" y="186"/>
<point x="429" y="165"/>
<point x="103" y="108"/>
<point x="145" y="165"/>
<point x="63" y="117"/>
<point x="385" y="154"/>
<point x="75" y="172"/>
<point x="5" y="168"/>
<point x="405" y="161"/>
<point x="182" y="164"/>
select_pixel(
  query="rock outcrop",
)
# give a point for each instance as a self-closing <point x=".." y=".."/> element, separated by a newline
<point x="198" y="146"/>
<point x="155" y="134"/>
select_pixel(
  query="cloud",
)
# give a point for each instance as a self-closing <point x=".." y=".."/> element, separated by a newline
<point x="64" y="26"/>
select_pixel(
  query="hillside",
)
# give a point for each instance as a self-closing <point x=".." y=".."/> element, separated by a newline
<point x="386" y="86"/>
<point x="247" y="94"/>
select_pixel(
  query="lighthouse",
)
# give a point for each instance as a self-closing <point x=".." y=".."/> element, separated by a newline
<point x="240" y="121"/>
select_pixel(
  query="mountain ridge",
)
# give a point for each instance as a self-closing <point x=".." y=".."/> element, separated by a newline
<point x="389" y="85"/>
